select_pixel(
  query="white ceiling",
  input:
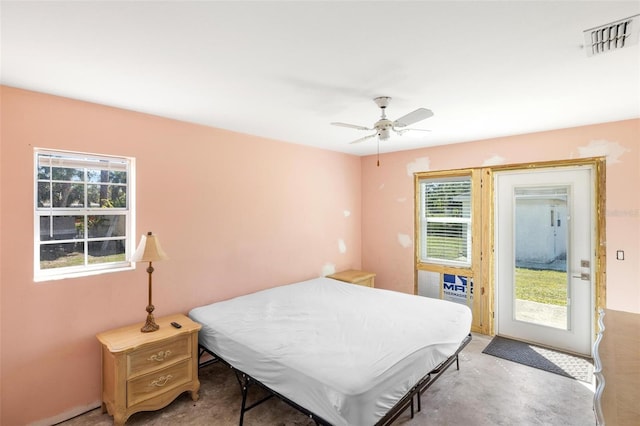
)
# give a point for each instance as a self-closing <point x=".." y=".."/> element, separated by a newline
<point x="285" y="70"/>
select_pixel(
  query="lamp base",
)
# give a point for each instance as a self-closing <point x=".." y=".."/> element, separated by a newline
<point x="150" y="325"/>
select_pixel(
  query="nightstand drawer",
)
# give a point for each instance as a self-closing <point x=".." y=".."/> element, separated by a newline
<point x="158" y="355"/>
<point x="158" y="382"/>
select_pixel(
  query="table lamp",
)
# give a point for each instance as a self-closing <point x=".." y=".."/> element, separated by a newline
<point x="149" y="250"/>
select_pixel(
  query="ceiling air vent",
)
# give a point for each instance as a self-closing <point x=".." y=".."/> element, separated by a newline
<point x="613" y="36"/>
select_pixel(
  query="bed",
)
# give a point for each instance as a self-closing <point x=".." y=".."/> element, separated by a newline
<point x="343" y="354"/>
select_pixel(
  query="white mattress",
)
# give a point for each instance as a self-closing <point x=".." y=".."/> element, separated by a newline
<point x="345" y="352"/>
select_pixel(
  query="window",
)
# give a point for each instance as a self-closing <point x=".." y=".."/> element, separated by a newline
<point x="83" y="214"/>
<point x="445" y="220"/>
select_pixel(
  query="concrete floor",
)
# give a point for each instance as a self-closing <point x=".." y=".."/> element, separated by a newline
<point x="486" y="391"/>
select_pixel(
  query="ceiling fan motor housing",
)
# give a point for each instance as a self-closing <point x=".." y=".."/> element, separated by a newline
<point x="384" y="128"/>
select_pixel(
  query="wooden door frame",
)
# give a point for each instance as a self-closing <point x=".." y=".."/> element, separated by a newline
<point x="598" y="165"/>
<point x="485" y="287"/>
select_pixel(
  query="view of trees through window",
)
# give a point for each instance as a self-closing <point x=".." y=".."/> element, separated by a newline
<point x="82" y="210"/>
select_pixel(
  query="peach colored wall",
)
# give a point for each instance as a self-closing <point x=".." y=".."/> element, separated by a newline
<point x="235" y="213"/>
<point x="388" y="203"/>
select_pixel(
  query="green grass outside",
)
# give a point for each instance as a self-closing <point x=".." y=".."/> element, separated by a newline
<point x="450" y="248"/>
<point x="549" y="287"/>
<point x="77" y="259"/>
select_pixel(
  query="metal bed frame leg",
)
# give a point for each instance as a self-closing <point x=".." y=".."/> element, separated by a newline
<point x="245" y="391"/>
<point x="245" y="381"/>
<point x="419" y="393"/>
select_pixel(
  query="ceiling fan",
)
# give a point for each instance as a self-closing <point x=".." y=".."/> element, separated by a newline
<point x="384" y="126"/>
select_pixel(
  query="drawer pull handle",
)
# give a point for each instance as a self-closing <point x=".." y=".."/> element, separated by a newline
<point x="162" y="380"/>
<point x="160" y="356"/>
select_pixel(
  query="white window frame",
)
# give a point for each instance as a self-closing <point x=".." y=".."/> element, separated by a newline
<point x="83" y="160"/>
<point x="424" y="220"/>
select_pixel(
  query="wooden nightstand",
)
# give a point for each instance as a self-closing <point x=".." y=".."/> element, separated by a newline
<point x="354" y="276"/>
<point x="147" y="371"/>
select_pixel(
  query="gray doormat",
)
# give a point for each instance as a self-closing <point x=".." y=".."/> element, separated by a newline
<point x="573" y="366"/>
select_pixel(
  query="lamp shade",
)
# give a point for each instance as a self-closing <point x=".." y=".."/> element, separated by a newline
<point x="149" y="250"/>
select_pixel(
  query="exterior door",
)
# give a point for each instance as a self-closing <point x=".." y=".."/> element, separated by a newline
<point x="544" y="234"/>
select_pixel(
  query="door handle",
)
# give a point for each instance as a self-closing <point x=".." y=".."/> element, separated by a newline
<point x="583" y="276"/>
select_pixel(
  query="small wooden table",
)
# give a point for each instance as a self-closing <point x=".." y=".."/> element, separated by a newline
<point x="355" y="276"/>
<point x="147" y="371"/>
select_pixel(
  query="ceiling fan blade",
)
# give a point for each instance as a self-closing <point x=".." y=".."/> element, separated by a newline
<point x="401" y="131"/>
<point x="413" y="117"/>
<point x="364" y="139"/>
<point x="351" y="126"/>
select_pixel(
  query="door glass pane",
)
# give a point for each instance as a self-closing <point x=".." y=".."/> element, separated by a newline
<point x="541" y="279"/>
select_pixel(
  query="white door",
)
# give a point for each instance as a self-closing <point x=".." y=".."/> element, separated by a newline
<point x="544" y="234"/>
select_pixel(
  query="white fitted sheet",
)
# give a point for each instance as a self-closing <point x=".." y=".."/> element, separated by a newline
<point x="345" y="352"/>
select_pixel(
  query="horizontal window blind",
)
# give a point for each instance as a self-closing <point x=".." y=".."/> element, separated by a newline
<point x="445" y="220"/>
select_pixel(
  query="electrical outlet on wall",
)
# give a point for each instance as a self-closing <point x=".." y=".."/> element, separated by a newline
<point x="620" y="254"/>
